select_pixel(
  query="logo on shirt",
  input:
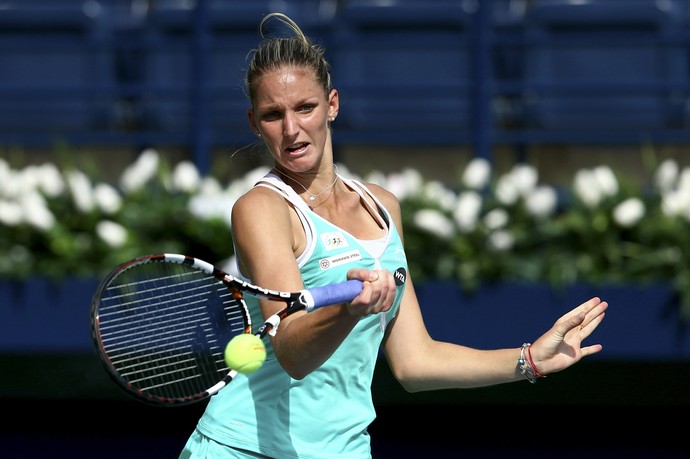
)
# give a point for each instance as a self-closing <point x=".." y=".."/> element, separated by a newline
<point x="400" y="276"/>
<point x="340" y="259"/>
<point x="333" y="240"/>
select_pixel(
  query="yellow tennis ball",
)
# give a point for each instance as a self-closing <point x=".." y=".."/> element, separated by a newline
<point x="245" y="353"/>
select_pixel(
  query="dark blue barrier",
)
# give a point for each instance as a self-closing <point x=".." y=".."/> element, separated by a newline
<point x="642" y="321"/>
<point x="40" y="315"/>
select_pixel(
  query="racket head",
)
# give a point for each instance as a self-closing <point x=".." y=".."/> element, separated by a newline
<point x="160" y="324"/>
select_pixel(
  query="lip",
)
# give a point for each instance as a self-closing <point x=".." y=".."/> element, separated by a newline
<point x="296" y="148"/>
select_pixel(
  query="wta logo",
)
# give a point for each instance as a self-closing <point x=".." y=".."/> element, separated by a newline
<point x="400" y="276"/>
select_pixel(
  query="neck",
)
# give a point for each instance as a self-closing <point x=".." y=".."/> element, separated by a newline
<point x="312" y="196"/>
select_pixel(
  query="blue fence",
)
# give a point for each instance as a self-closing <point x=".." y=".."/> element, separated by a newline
<point x="436" y="72"/>
<point x="39" y="316"/>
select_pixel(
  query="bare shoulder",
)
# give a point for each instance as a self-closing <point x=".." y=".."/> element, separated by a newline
<point x="387" y="198"/>
<point x="258" y="204"/>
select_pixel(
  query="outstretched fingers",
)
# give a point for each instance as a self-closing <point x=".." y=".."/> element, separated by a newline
<point x="590" y="316"/>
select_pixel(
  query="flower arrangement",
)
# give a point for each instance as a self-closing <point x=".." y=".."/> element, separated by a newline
<point x="487" y="228"/>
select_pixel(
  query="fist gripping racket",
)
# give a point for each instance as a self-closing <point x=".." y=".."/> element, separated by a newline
<point x="160" y="324"/>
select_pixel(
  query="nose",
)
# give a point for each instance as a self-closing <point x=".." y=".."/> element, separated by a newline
<point x="289" y="125"/>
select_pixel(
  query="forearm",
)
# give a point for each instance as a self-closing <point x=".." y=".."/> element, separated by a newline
<point x="307" y="340"/>
<point x="450" y="366"/>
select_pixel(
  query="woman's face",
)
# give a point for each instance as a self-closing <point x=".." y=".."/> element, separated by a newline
<point x="291" y="114"/>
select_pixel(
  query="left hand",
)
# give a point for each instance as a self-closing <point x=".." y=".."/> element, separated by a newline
<point x="561" y="346"/>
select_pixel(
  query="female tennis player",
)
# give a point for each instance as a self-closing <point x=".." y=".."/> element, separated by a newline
<point x="305" y="225"/>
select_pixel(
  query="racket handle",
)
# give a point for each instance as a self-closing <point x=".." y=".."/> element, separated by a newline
<point x="332" y="294"/>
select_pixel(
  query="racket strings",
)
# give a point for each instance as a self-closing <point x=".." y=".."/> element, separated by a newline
<point x="165" y="334"/>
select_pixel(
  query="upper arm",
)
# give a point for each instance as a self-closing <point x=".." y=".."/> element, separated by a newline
<point x="407" y="338"/>
<point x="263" y="235"/>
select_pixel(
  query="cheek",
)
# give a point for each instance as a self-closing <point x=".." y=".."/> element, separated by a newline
<point x="272" y="132"/>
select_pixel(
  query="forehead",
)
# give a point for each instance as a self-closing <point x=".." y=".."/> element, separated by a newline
<point x="288" y="78"/>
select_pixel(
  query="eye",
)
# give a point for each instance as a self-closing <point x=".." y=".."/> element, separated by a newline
<point x="270" y="116"/>
<point x="306" y="108"/>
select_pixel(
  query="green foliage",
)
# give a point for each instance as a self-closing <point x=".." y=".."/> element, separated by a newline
<point x="485" y="229"/>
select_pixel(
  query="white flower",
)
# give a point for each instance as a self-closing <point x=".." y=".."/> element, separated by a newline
<point x="586" y="188"/>
<point x="209" y="185"/>
<point x="247" y="181"/>
<point x="80" y="187"/>
<point x="684" y="181"/>
<point x="255" y="175"/>
<point x="11" y="213"/>
<point x="666" y="175"/>
<point x="10" y="184"/>
<point x="107" y="198"/>
<point x="675" y="203"/>
<point x="18" y="183"/>
<point x="500" y="241"/>
<point x="496" y="219"/>
<point x="520" y="181"/>
<point x="139" y="173"/>
<point x="239" y="186"/>
<point x="467" y="209"/>
<point x="378" y="178"/>
<point x="186" y="177"/>
<point x="477" y="174"/>
<point x="404" y="184"/>
<point x="541" y="202"/>
<point x="524" y="177"/>
<point x="210" y="206"/>
<point x="113" y="234"/>
<point x="434" y="222"/>
<point x="436" y="192"/>
<point x="50" y="180"/>
<point x="606" y="179"/>
<point x="629" y="212"/>
<point x="36" y="212"/>
<point x="506" y="191"/>
<point x="28" y="180"/>
<point x="213" y="202"/>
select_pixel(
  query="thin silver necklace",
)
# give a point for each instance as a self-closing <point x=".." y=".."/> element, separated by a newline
<point x="313" y="197"/>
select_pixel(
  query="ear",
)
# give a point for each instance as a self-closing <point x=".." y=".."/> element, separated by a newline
<point x="333" y="104"/>
<point x="252" y="124"/>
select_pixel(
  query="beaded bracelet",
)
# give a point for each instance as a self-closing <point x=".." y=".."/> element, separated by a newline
<point x="531" y="363"/>
<point x="526" y="365"/>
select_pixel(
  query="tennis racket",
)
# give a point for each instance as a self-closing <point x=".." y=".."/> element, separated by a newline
<point x="160" y="324"/>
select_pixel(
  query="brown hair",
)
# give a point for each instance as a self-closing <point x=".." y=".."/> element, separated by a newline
<point x="296" y="50"/>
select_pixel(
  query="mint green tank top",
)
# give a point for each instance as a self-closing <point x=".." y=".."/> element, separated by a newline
<point x="326" y="414"/>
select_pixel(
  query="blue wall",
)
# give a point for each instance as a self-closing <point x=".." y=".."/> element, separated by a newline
<point x="642" y="322"/>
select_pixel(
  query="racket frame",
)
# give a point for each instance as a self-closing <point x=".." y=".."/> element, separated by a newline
<point x="306" y="299"/>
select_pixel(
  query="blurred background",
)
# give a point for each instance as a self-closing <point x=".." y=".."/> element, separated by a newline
<point x="427" y="85"/>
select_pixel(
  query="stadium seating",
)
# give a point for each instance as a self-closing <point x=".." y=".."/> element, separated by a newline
<point x="404" y="70"/>
<point x="56" y="77"/>
<point x="415" y="72"/>
<point x="193" y="66"/>
<point x="601" y="71"/>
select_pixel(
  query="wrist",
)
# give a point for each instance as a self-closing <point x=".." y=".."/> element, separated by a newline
<point x="526" y="365"/>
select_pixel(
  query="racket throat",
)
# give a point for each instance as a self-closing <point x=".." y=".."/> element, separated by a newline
<point x="269" y="327"/>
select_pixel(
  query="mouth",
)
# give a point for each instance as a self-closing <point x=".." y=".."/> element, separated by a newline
<point x="297" y="148"/>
